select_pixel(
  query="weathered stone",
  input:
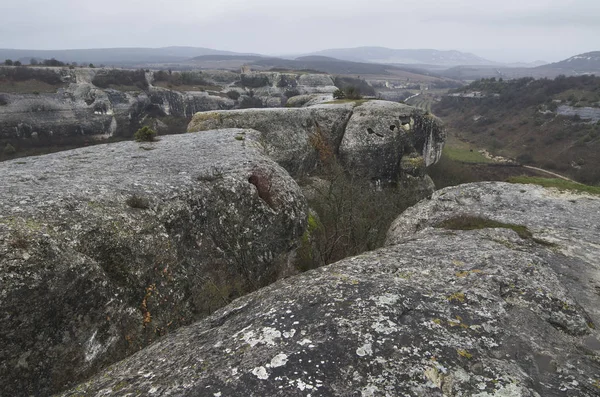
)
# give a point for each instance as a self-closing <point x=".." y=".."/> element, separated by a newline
<point x="380" y="133"/>
<point x="105" y="249"/>
<point x="371" y="138"/>
<point x="83" y="112"/>
<point x="291" y="136"/>
<point x="438" y="312"/>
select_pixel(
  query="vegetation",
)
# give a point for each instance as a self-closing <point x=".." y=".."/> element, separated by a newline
<point x="145" y="134"/>
<point x="181" y="78"/>
<point x="350" y="215"/>
<point x="468" y="222"/>
<point x="9" y="149"/>
<point x="561" y="184"/>
<point x="354" y="87"/>
<point x="137" y="201"/>
<point x="19" y="74"/>
<point x="8" y="62"/>
<point x="518" y="119"/>
<point x="126" y="79"/>
<point x="233" y="95"/>
<point x="254" y="80"/>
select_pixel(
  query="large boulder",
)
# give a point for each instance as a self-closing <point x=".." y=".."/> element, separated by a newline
<point x="105" y="249"/>
<point x="376" y="140"/>
<point x="380" y="133"/>
<point x="291" y="136"/>
<point x="508" y="310"/>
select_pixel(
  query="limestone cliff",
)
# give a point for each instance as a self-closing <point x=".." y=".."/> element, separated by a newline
<point x="86" y="107"/>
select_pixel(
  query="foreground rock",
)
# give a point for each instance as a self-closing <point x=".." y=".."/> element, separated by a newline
<point x="438" y="312"/>
<point x="371" y="138"/>
<point x="105" y="249"/>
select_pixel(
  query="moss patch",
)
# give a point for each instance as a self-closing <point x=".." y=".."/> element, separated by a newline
<point x="356" y="102"/>
<point x="466" y="222"/>
<point x="556" y="183"/>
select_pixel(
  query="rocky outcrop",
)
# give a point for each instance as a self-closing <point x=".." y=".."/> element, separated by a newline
<point x="82" y="113"/>
<point x="289" y="135"/>
<point x="511" y="310"/>
<point x="83" y="110"/>
<point x="105" y="249"/>
<point x="377" y="140"/>
<point x="380" y="134"/>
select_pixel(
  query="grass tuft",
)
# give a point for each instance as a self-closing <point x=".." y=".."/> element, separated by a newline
<point x="466" y="222"/>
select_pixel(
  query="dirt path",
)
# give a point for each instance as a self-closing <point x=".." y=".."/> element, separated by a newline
<point x="549" y="173"/>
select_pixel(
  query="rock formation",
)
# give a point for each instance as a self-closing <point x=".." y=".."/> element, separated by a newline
<point x="80" y="111"/>
<point x="371" y="138"/>
<point x="107" y="248"/>
<point x="506" y="310"/>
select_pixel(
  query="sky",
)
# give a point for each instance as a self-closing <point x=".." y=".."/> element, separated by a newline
<point x="505" y="31"/>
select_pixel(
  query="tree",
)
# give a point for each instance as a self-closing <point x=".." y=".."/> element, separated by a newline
<point x="18" y="63"/>
<point x="91" y="65"/>
<point x="8" y="62"/>
<point x="34" y="62"/>
<point x="144" y="134"/>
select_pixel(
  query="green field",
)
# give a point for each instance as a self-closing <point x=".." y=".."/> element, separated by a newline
<point x="561" y="184"/>
<point x="463" y="152"/>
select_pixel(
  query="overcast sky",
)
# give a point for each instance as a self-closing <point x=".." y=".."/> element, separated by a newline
<point x="501" y="30"/>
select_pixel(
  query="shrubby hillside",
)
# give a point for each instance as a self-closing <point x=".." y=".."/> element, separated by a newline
<point x="554" y="124"/>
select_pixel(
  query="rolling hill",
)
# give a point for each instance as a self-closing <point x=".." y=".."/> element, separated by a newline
<point x="405" y="56"/>
<point x="587" y="63"/>
<point x="114" y="56"/>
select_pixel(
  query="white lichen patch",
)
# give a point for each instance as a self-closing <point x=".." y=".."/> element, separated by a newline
<point x="365" y="350"/>
<point x="510" y="390"/>
<point x="386" y="299"/>
<point x="267" y="337"/>
<point x="260" y="373"/>
<point x="279" y="360"/>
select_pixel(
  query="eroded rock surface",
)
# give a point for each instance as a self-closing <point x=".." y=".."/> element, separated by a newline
<point x="107" y="248"/>
<point x="377" y="140"/>
<point x="437" y="312"/>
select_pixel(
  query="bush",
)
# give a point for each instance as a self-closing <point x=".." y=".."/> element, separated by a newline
<point x="137" y="201"/>
<point x="339" y="94"/>
<point x="351" y="217"/>
<point x="145" y="134"/>
<point x="183" y="78"/>
<point x="525" y="158"/>
<point x="23" y="74"/>
<point x="352" y="92"/>
<point x="117" y="77"/>
<point x="291" y="93"/>
<point x="233" y="95"/>
<point x="9" y="149"/>
<point x="254" y="81"/>
<point x="249" y="102"/>
<point x="8" y="62"/>
<point x="358" y="85"/>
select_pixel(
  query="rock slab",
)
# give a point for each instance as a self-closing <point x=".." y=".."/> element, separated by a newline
<point x="105" y="249"/>
<point x="436" y="313"/>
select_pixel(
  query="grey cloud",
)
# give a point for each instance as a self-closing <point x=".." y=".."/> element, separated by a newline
<point x="548" y="28"/>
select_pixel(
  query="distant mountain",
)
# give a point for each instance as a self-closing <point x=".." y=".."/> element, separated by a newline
<point x="578" y="64"/>
<point x="388" y="55"/>
<point x="247" y="58"/>
<point x="114" y="56"/>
